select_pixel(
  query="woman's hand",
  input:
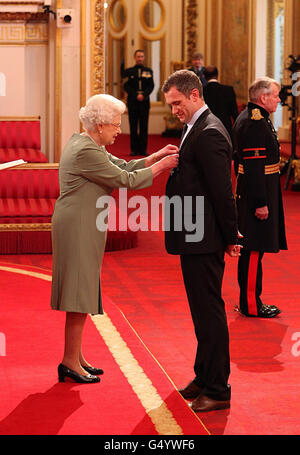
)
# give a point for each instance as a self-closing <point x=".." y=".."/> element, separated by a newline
<point x="157" y="156"/>
<point x="169" y="162"/>
<point x="166" y="163"/>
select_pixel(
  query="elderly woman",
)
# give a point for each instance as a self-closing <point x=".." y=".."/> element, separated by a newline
<point x="87" y="171"/>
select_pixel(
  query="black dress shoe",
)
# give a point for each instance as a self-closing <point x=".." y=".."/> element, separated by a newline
<point x="272" y="307"/>
<point x="206" y="404"/>
<point x="93" y="370"/>
<point x="266" y="311"/>
<point x="191" y="391"/>
<point x="65" y="372"/>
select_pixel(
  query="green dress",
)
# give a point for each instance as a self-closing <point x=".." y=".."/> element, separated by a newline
<point x="86" y="172"/>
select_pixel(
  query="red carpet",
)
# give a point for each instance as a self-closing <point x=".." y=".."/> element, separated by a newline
<point x="34" y="403"/>
<point x="145" y="283"/>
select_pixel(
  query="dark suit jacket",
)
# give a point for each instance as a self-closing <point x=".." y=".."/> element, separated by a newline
<point x="199" y="73"/>
<point x="204" y="169"/>
<point x="221" y="100"/>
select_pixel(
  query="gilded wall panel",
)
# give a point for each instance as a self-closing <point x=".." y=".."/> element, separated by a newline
<point x="296" y="19"/>
<point x="235" y="45"/>
<point x="215" y="31"/>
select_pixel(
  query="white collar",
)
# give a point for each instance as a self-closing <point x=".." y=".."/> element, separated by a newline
<point x="196" y="116"/>
<point x="193" y="120"/>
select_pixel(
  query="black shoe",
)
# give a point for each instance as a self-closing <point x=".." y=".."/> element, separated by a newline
<point x="266" y="311"/>
<point x="272" y="307"/>
<point x="93" y="370"/>
<point x="64" y="372"/>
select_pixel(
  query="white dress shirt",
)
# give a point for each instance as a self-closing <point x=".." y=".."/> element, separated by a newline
<point x="191" y="123"/>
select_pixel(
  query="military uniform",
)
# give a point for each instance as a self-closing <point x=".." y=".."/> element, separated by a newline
<point x="139" y="81"/>
<point x="258" y="184"/>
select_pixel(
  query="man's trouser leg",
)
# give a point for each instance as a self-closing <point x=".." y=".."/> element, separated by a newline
<point x="250" y="281"/>
<point x="203" y="275"/>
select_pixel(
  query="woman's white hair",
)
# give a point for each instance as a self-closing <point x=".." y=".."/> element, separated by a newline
<point x="260" y="86"/>
<point x="100" y="109"/>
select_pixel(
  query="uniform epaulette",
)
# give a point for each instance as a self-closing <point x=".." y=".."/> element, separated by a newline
<point x="256" y="114"/>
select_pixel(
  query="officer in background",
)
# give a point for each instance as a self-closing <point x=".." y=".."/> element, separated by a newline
<point x="220" y="98"/>
<point x="138" y="86"/>
<point x="259" y="199"/>
<point x="198" y="67"/>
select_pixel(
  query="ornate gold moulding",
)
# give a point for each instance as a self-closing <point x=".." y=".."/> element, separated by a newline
<point x="23" y="17"/>
<point x="28" y="166"/>
<point x="23" y="33"/>
<point x="296" y="167"/>
<point x="16" y="227"/>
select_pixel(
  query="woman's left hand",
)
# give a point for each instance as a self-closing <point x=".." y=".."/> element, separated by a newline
<point x="157" y="156"/>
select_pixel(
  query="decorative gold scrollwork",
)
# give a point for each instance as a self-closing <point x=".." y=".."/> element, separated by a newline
<point x="296" y="167"/>
<point x="191" y="17"/>
<point x="98" y="85"/>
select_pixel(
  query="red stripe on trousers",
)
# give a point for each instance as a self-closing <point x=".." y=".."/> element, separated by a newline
<point x="251" y="286"/>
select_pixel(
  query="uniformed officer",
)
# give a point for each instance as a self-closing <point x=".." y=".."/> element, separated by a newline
<point x="138" y="86"/>
<point x="259" y="199"/>
<point x="198" y="67"/>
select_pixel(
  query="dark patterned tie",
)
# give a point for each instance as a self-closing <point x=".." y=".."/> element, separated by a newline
<point x="183" y="133"/>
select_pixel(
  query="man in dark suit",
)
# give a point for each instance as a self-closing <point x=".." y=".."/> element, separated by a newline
<point x="138" y="86"/>
<point x="204" y="170"/>
<point x="198" y="67"/>
<point x="220" y="98"/>
<point x="259" y="199"/>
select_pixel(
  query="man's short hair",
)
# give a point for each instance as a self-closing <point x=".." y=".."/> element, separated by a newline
<point x="197" y="55"/>
<point x="138" y="50"/>
<point x="211" y="72"/>
<point x="260" y="86"/>
<point x="185" y="81"/>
